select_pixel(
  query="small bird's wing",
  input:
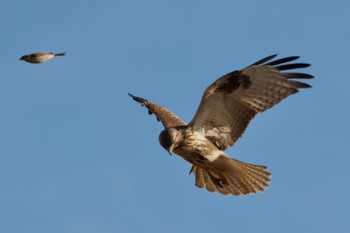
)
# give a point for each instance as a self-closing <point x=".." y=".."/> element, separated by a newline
<point x="39" y="54"/>
<point x="164" y="115"/>
<point x="232" y="101"/>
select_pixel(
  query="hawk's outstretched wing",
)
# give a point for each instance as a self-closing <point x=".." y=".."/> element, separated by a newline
<point x="232" y="101"/>
<point x="164" y="115"/>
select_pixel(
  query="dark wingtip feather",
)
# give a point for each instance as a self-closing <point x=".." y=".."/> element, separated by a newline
<point x="292" y="66"/>
<point x="298" y="76"/>
<point x="282" y="60"/>
<point x="143" y="102"/>
<point x="137" y="99"/>
<point x="281" y="66"/>
<point x="264" y="60"/>
<point x="131" y="95"/>
<point x="297" y="84"/>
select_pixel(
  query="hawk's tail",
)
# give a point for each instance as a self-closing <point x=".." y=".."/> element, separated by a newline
<point x="231" y="176"/>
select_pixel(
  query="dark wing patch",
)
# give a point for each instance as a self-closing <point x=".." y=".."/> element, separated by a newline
<point x="162" y="114"/>
<point x="232" y="101"/>
<point x="233" y="81"/>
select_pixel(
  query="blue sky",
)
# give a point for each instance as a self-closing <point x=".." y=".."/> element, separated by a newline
<point x="78" y="155"/>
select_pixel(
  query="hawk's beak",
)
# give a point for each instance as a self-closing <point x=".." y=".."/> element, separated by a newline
<point x="171" y="148"/>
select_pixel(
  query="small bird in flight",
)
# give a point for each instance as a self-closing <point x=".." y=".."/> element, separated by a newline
<point x="36" y="58"/>
<point x="226" y="108"/>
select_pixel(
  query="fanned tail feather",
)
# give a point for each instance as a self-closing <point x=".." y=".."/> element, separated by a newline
<point x="230" y="176"/>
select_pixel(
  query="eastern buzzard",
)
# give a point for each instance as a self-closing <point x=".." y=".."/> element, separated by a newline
<point x="226" y="108"/>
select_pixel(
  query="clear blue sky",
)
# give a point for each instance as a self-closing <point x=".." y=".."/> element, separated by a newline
<point x="78" y="155"/>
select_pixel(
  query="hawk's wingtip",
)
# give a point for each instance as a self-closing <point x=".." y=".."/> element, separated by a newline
<point x="137" y="99"/>
<point x="134" y="97"/>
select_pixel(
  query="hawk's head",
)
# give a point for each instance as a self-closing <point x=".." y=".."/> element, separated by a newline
<point x="169" y="139"/>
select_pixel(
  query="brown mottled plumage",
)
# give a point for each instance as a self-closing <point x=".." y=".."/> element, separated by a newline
<point x="226" y="108"/>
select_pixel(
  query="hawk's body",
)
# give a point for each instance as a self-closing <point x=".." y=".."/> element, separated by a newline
<point x="227" y="107"/>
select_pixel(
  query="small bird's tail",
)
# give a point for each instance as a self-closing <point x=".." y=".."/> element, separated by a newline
<point x="60" y="54"/>
<point x="230" y="176"/>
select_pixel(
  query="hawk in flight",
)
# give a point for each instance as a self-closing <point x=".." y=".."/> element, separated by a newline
<point x="226" y="108"/>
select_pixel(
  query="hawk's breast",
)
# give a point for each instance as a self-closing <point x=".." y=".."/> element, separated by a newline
<point x="196" y="148"/>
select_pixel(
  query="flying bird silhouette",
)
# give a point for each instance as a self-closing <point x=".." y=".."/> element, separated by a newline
<point x="36" y="58"/>
<point x="226" y="108"/>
